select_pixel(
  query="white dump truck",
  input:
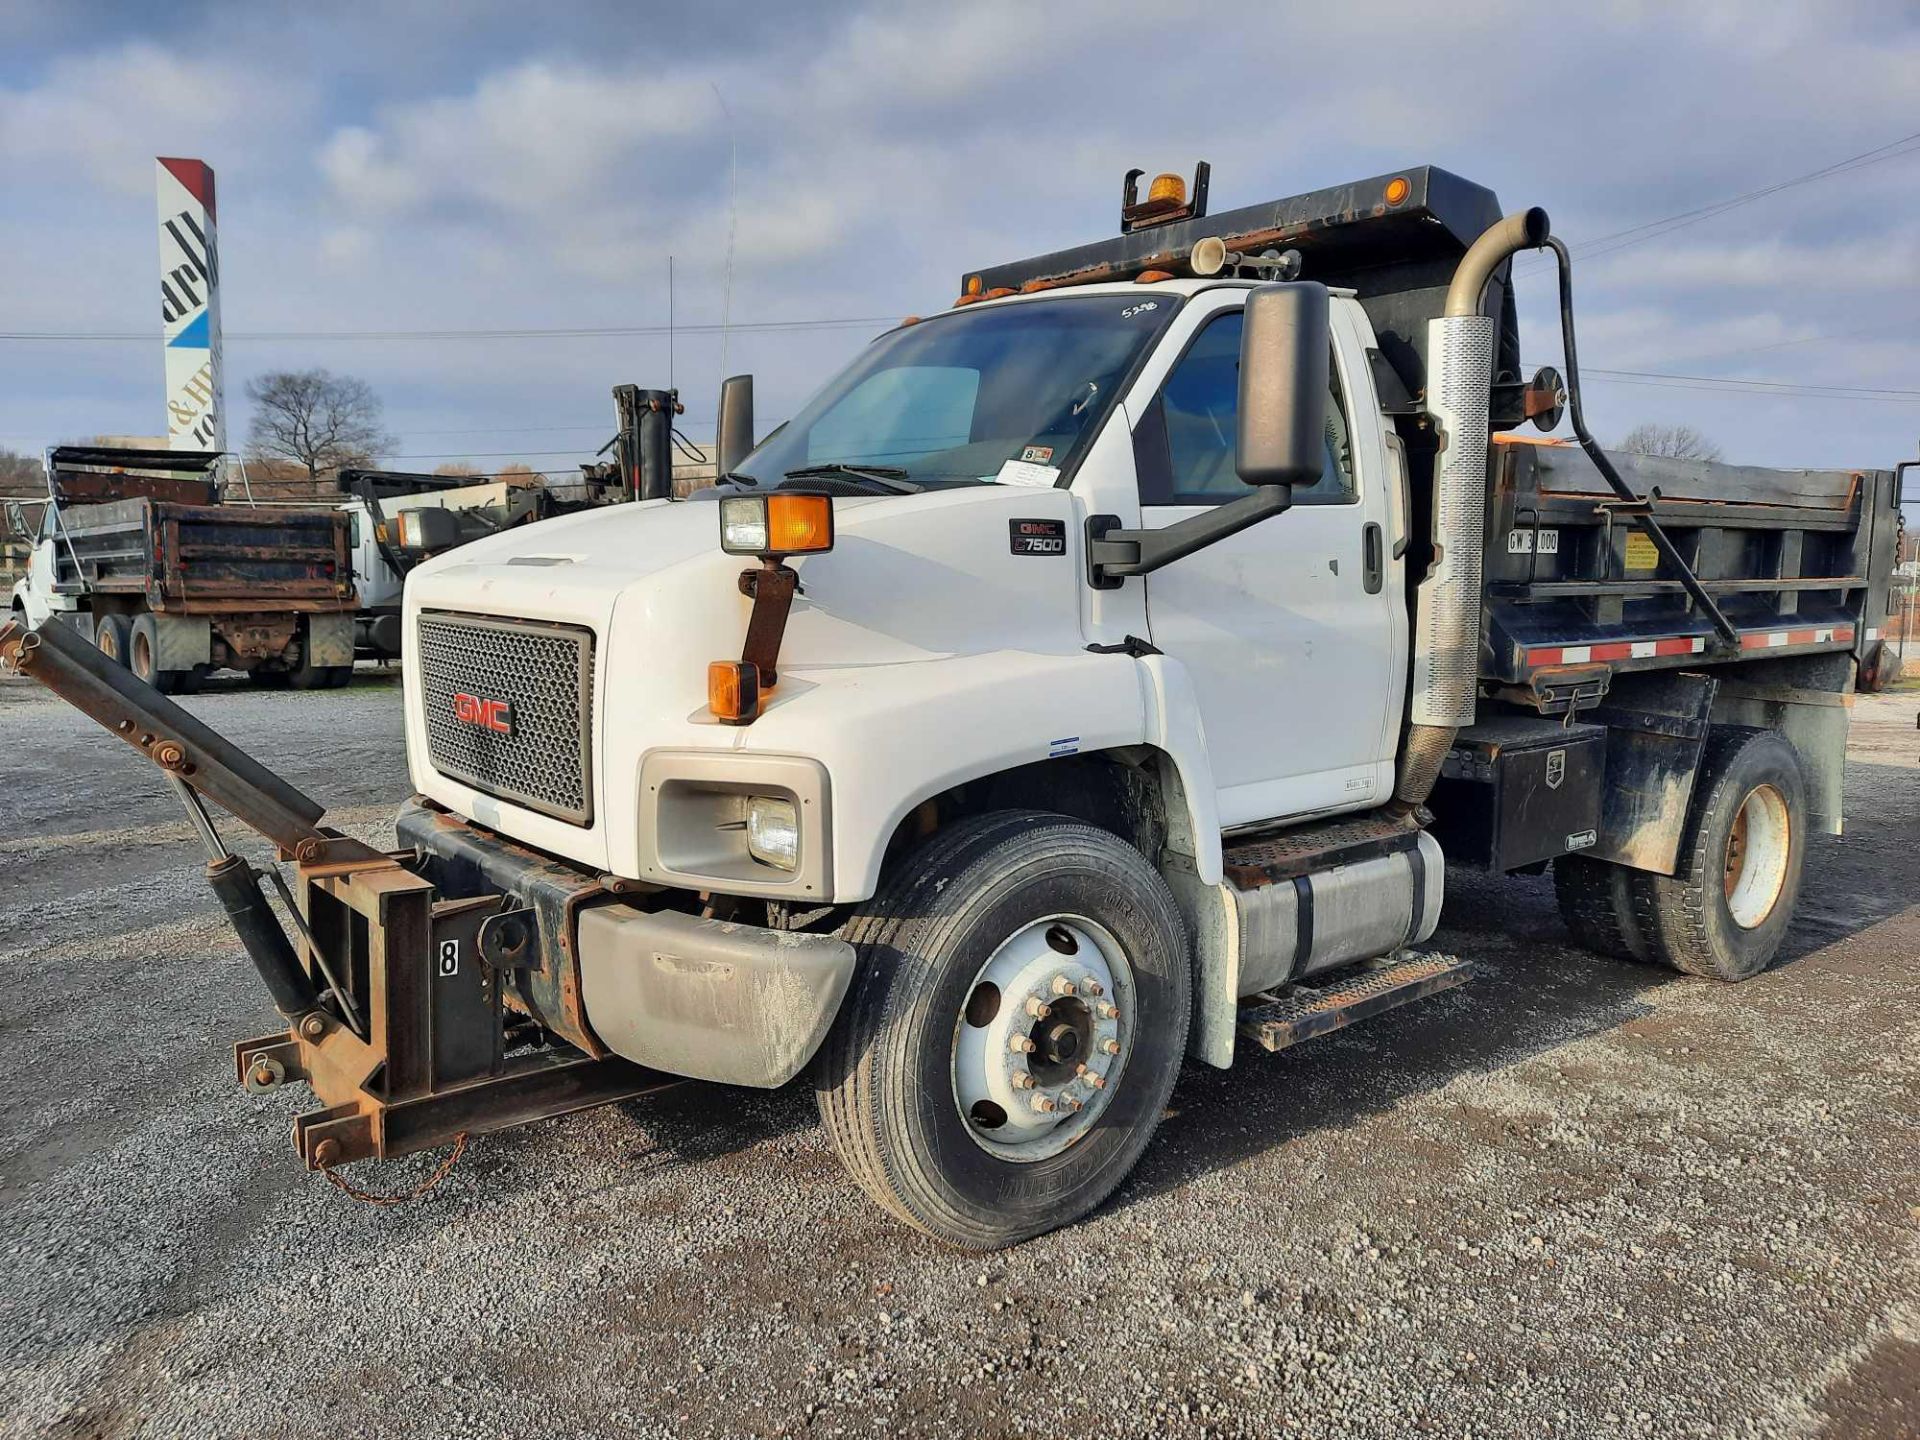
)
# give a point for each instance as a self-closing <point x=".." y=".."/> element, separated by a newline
<point x="1097" y="674"/>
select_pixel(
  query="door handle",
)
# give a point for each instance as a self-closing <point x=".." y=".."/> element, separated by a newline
<point x="1372" y="561"/>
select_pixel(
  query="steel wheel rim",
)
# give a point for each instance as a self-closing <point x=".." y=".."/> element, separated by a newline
<point x="106" y="642"/>
<point x="1758" y="847"/>
<point x="1077" y="971"/>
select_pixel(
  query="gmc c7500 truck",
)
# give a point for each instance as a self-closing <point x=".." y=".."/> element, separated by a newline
<point x="1093" y="675"/>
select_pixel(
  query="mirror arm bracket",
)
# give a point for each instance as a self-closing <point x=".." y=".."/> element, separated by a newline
<point x="1114" y="554"/>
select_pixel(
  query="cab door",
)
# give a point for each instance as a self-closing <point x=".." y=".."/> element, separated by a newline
<point x="1294" y="629"/>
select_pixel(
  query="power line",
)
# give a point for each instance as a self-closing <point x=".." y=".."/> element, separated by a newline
<point x="1666" y="224"/>
<point x="1797" y="385"/>
<point x="1718" y="385"/>
<point x="1903" y="323"/>
<point x="845" y="322"/>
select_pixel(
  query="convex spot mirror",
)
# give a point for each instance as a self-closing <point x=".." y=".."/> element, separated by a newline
<point x="1284" y="347"/>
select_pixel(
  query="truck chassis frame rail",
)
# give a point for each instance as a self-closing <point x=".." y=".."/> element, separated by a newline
<point x="401" y="1015"/>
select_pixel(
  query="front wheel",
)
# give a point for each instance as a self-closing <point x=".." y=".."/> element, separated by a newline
<point x="1014" y="1032"/>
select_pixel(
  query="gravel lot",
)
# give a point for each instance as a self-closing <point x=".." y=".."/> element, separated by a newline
<point x="1574" y="1198"/>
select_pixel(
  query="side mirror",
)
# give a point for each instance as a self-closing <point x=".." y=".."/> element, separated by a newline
<point x="1284" y="347"/>
<point x="733" y="437"/>
<point x="17" y="521"/>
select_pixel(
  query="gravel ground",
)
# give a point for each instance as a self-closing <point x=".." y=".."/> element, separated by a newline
<point x="1574" y="1198"/>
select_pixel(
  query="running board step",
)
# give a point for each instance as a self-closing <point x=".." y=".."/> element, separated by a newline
<point x="1303" y="1011"/>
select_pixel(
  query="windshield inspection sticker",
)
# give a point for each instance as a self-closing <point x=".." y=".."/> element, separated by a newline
<point x="1038" y="537"/>
<point x="1025" y="472"/>
<point x="1037" y="454"/>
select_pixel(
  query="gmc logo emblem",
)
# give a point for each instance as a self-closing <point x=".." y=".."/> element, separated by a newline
<point x="488" y="714"/>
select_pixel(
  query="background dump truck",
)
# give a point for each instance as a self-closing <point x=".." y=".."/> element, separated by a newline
<point x="1096" y="675"/>
<point x="134" y="552"/>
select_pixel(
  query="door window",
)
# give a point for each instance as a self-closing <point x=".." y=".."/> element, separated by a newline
<point x="1184" y="446"/>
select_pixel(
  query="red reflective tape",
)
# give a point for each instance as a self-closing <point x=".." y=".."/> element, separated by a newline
<point x="1543" y="657"/>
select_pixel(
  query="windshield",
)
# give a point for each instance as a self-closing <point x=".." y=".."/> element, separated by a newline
<point x="954" y="399"/>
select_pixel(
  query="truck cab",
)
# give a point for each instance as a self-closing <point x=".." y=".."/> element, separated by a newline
<point x="35" y="597"/>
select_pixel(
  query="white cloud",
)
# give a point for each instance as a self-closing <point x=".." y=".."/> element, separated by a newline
<point x="531" y="141"/>
<point x="106" y="115"/>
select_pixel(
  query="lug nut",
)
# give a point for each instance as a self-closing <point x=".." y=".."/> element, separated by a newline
<point x="1109" y="1047"/>
<point x="1067" y="1102"/>
<point x="1094" y="1078"/>
<point x="1022" y="1080"/>
<point x="1093" y="987"/>
<point x="1042" y="1105"/>
<point x="313" y="1027"/>
<point x="1109" y="1011"/>
<point x="1038" y="1008"/>
<point x="1021" y="1045"/>
<point x="1062" y="985"/>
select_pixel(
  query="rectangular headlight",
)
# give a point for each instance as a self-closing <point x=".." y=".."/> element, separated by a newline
<point x="773" y="832"/>
<point x="743" y="525"/>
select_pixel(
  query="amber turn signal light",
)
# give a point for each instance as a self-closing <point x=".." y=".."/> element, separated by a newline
<point x="776" y="525"/>
<point x="733" y="691"/>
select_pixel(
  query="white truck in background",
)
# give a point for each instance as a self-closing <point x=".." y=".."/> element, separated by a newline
<point x="377" y="501"/>
<point x="1087" y="678"/>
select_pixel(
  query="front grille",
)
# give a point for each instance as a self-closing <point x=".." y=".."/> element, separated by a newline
<point x="507" y="709"/>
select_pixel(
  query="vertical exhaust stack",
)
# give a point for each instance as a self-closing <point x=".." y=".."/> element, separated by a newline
<point x="1446" y="656"/>
<point x="190" y="305"/>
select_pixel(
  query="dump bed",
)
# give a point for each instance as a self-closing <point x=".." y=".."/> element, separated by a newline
<point x="1798" y="560"/>
<point x="146" y="523"/>
<point x="200" y="559"/>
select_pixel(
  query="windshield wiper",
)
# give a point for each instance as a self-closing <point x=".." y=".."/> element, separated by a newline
<point x="887" y="477"/>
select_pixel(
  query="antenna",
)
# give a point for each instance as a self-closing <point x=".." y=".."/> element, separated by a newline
<point x="733" y="211"/>
<point x="669" y="322"/>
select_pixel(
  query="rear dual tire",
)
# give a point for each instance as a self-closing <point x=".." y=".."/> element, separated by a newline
<point x="1725" y="910"/>
<point x="915" y="1099"/>
<point x="143" y="646"/>
<point x="112" y="636"/>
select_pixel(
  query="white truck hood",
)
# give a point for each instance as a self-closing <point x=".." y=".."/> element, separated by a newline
<point x="912" y="581"/>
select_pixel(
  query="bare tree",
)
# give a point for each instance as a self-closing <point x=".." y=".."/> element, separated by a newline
<point x="1676" y="442"/>
<point x="21" y="474"/>
<point x="315" y="418"/>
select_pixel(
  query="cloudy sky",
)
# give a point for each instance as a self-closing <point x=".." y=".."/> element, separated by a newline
<point x="495" y="167"/>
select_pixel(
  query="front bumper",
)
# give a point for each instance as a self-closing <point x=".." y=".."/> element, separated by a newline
<point x="703" y="999"/>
